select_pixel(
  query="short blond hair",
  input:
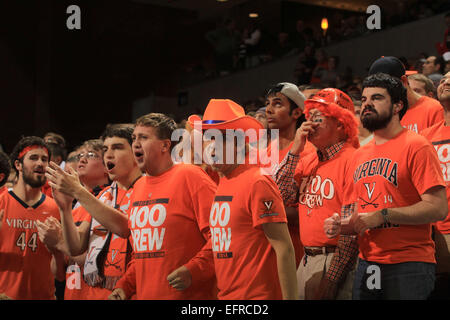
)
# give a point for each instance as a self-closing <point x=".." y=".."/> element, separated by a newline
<point x="163" y="124"/>
<point x="429" y="86"/>
<point x="95" y="144"/>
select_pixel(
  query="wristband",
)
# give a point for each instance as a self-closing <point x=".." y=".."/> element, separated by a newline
<point x="384" y="213"/>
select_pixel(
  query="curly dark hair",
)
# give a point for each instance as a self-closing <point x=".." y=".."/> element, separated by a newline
<point x="393" y="85"/>
<point x="22" y="144"/>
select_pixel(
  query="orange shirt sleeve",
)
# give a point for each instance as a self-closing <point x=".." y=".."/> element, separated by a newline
<point x="80" y="214"/>
<point x="436" y="115"/>
<point x="266" y="204"/>
<point x="201" y="266"/>
<point x="425" y="169"/>
<point x="349" y="195"/>
<point x="128" y="281"/>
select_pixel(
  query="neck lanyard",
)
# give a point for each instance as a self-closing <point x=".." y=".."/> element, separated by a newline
<point x="116" y="192"/>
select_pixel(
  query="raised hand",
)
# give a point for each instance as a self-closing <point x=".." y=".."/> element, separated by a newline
<point x="62" y="181"/>
<point x="307" y="127"/>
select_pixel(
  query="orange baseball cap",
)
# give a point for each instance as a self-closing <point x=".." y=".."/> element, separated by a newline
<point x="336" y="104"/>
<point x="333" y="95"/>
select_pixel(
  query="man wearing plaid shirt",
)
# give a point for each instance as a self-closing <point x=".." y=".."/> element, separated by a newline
<point x="317" y="183"/>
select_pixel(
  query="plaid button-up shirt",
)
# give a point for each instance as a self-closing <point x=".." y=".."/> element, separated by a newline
<point x="347" y="248"/>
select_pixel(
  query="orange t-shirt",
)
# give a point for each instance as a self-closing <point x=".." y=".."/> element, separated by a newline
<point x="25" y="272"/>
<point x="168" y="219"/>
<point x="439" y="136"/>
<point x="212" y="174"/>
<point x="244" y="260"/>
<point x="293" y="230"/>
<point x="118" y="254"/>
<point x="425" y="113"/>
<point x="322" y="189"/>
<point x="394" y="175"/>
<point x="76" y="288"/>
<point x="3" y="190"/>
<point x="47" y="190"/>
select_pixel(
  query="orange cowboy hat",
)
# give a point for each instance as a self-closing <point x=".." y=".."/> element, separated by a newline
<point x="224" y="114"/>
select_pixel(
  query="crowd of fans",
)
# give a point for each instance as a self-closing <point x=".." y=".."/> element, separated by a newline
<point x="319" y="71"/>
<point x="76" y="198"/>
<point x="98" y="207"/>
<point x="239" y="47"/>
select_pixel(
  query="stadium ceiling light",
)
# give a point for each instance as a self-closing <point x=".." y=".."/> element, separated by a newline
<point x="324" y="26"/>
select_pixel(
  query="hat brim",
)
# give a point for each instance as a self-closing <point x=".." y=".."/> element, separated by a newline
<point x="410" y="72"/>
<point x="244" y="123"/>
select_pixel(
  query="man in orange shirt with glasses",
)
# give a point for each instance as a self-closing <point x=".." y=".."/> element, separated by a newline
<point x="316" y="182"/>
<point x="167" y="220"/>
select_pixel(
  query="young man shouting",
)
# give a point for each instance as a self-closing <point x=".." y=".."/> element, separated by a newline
<point x="167" y="220"/>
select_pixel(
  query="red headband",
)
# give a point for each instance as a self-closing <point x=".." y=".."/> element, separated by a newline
<point x="29" y="148"/>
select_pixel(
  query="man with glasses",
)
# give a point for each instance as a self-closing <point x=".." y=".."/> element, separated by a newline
<point x="101" y="274"/>
<point x="94" y="177"/>
<point x="316" y="182"/>
<point x="171" y="196"/>
<point x="91" y="169"/>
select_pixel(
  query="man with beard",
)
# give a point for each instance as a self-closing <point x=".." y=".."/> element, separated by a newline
<point x="398" y="191"/>
<point x="24" y="259"/>
<point x="439" y="136"/>
<point x="422" y="111"/>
